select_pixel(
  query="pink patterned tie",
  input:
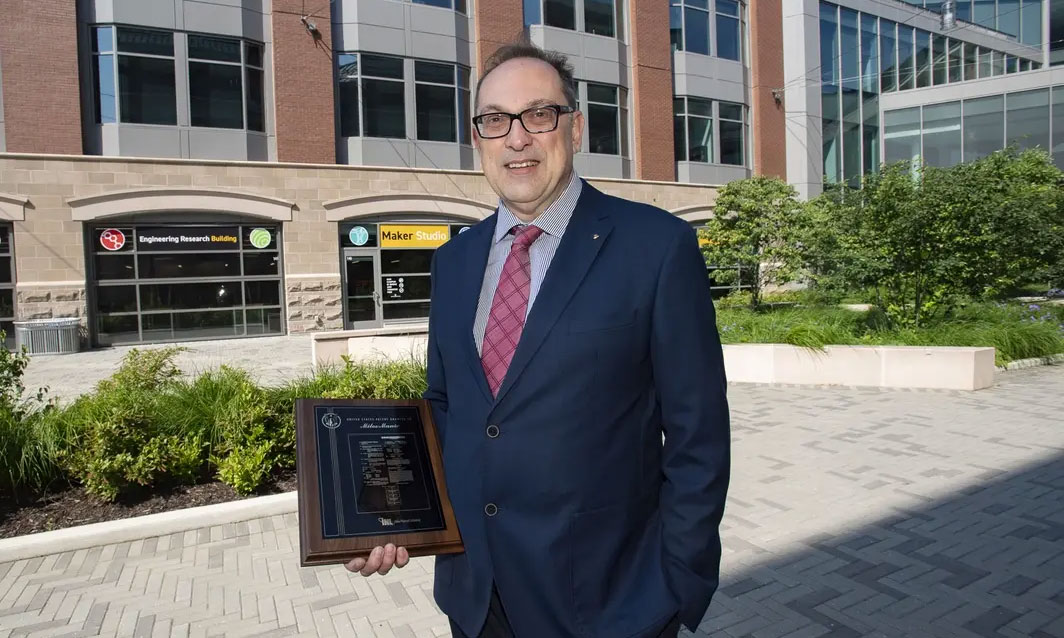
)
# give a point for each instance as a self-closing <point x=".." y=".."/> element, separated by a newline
<point x="508" y="308"/>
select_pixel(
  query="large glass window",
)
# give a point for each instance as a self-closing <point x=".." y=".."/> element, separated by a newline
<point x="1058" y="126"/>
<point x="971" y="61"/>
<point x="457" y="5"/>
<point x="923" y="59"/>
<point x="851" y="95"/>
<point x="599" y="17"/>
<point x="942" y="134"/>
<point x="693" y="129"/>
<point x="941" y="60"/>
<point x="560" y="13"/>
<point x="436" y="101"/>
<point x="984" y="126"/>
<point x="870" y="93"/>
<point x="696" y="26"/>
<point x="729" y="38"/>
<point x="147" y="91"/>
<point x="134" y="79"/>
<point x="7" y="286"/>
<point x="901" y="135"/>
<point x="1027" y="119"/>
<point x="831" y="109"/>
<point x="1008" y="17"/>
<point x="888" y="52"/>
<point x="603" y="119"/>
<point x="956" y="60"/>
<point x="732" y="133"/>
<point x="986" y="62"/>
<point x="906" y="59"/>
<point x="216" y="92"/>
<point x="371" y="95"/>
<point x="175" y="282"/>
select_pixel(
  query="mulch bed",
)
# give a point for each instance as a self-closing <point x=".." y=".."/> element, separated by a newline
<point x="73" y="506"/>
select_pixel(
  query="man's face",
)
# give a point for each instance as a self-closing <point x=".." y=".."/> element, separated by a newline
<point x="528" y="171"/>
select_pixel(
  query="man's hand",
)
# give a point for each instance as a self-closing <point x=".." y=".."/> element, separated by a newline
<point x="380" y="561"/>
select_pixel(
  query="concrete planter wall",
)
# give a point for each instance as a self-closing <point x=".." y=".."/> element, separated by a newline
<point x="942" y="368"/>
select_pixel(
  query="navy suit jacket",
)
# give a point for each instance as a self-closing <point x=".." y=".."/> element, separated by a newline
<point x="600" y="529"/>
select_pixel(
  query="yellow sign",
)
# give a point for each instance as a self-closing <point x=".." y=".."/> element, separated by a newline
<point x="411" y="236"/>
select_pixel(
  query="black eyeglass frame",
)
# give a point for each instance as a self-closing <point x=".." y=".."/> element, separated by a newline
<point x="558" y="109"/>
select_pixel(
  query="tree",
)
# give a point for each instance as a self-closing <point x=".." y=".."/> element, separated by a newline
<point x="757" y="225"/>
<point x="925" y="240"/>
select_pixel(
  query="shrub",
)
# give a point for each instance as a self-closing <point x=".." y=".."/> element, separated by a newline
<point x="122" y="441"/>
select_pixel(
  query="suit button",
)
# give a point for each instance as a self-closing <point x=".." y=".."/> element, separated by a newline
<point x="490" y="509"/>
<point x="493" y="431"/>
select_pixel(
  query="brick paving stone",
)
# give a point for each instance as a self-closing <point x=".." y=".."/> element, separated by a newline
<point x="852" y="512"/>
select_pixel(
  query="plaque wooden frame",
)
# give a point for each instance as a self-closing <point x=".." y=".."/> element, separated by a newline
<point x="314" y="548"/>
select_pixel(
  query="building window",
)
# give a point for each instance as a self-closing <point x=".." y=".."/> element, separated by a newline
<point x="177" y="282"/>
<point x="143" y="70"/>
<point x="597" y="17"/>
<point x="729" y="34"/>
<point x="225" y="79"/>
<point x="372" y="88"/>
<point x="560" y="13"/>
<point x="942" y="134"/>
<point x="456" y="5"/>
<point x="732" y="133"/>
<point x="941" y="63"/>
<point x="604" y="122"/>
<point x="689" y="25"/>
<point x="7" y="286"/>
<point x="216" y="96"/>
<point x="694" y="127"/>
<point x="254" y="90"/>
<point x="371" y="92"/>
<point x="1027" y="119"/>
<point x="984" y="126"/>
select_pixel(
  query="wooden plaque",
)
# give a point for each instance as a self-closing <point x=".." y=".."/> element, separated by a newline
<point x="370" y="472"/>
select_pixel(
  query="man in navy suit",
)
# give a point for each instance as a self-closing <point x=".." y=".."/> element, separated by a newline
<point x="569" y="332"/>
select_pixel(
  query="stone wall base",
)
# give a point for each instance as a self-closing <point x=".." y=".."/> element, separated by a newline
<point x="314" y="305"/>
<point x="50" y="302"/>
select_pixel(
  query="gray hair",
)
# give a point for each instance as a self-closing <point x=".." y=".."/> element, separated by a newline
<point x="516" y="50"/>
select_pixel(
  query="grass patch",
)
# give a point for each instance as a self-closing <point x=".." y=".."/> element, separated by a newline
<point x="1016" y="331"/>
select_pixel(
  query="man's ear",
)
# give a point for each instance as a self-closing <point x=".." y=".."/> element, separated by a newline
<point x="577" y="130"/>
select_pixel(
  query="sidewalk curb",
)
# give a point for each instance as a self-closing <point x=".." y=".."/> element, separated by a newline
<point x="1023" y="364"/>
<point x="147" y="526"/>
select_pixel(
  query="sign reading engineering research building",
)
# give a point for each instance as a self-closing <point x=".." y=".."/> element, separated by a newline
<point x="188" y="238"/>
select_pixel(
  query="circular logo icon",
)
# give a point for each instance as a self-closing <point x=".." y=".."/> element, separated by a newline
<point x="331" y="420"/>
<point x="358" y="236"/>
<point x="112" y="239"/>
<point x="260" y="238"/>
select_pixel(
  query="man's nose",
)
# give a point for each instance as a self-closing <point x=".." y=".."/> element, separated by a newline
<point x="518" y="137"/>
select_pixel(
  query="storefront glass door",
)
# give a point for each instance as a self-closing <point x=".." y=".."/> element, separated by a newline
<point x="362" y="299"/>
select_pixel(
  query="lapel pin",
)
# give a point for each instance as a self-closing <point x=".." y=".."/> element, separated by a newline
<point x="595" y="236"/>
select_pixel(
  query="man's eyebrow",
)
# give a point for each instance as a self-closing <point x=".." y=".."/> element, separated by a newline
<point x="495" y="108"/>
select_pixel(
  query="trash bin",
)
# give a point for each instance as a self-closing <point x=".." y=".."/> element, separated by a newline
<point x="48" y="336"/>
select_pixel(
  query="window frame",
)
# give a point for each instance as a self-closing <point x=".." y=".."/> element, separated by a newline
<point x="714" y="120"/>
<point x="460" y="86"/>
<point x="182" y="101"/>
<point x="620" y="98"/>
<point x="713" y="16"/>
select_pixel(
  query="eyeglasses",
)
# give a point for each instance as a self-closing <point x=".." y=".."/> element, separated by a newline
<point x="538" y="119"/>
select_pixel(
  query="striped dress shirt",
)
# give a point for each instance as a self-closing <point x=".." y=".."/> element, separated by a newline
<point x="552" y="222"/>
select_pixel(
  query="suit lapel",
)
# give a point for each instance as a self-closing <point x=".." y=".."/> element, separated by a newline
<point x="476" y="260"/>
<point x="584" y="236"/>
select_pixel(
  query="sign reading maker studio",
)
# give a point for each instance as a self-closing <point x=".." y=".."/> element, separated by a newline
<point x="188" y="238"/>
<point x="410" y="236"/>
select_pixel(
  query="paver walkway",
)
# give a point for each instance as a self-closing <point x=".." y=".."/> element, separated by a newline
<point x="852" y="513"/>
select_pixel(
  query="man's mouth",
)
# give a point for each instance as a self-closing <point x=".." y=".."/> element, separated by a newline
<point x="522" y="164"/>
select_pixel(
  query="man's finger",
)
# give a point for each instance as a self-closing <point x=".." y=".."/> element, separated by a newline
<point x="356" y="564"/>
<point x="402" y="557"/>
<point x="373" y="563"/>
<point x="387" y="560"/>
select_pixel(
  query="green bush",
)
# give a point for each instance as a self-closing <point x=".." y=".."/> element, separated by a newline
<point x="122" y="441"/>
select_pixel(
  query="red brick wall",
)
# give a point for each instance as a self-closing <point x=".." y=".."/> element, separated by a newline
<point x="768" y="124"/>
<point x="652" y="90"/>
<point x="497" y="22"/>
<point x="42" y="98"/>
<point x="303" y="84"/>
